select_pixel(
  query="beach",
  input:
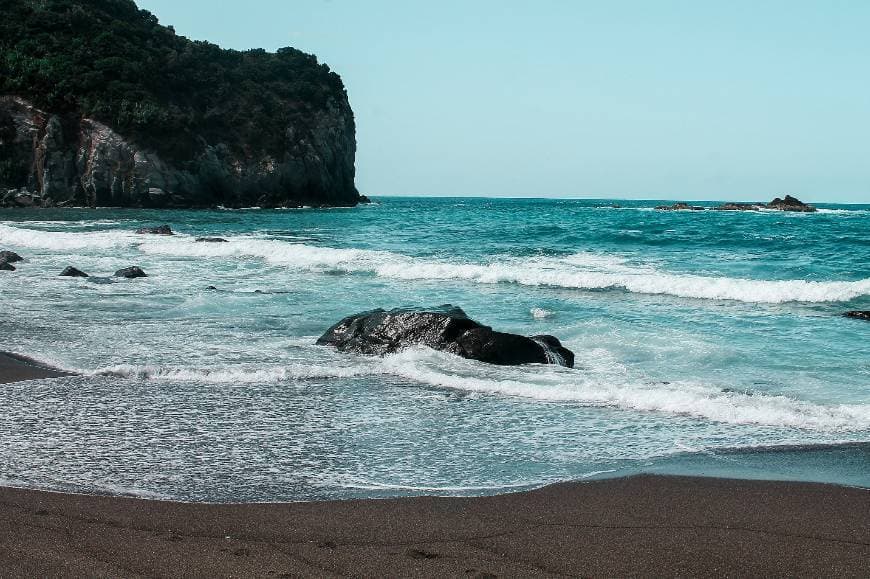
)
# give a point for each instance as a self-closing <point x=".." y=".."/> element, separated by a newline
<point x="15" y="368"/>
<point x="637" y="526"/>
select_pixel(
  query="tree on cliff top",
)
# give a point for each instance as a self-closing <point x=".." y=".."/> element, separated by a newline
<point x="111" y="61"/>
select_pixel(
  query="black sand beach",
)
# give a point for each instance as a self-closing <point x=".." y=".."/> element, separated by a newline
<point x="637" y="526"/>
<point x="15" y="368"/>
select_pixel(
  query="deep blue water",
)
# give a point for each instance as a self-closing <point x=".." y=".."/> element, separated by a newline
<point x="706" y="342"/>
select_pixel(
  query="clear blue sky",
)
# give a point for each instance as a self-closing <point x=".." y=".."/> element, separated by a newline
<point x="739" y="99"/>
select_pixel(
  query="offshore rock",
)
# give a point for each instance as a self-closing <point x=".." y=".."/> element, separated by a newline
<point x="50" y="159"/>
<point x="159" y="230"/>
<point x="445" y="328"/>
<point x="790" y="204"/>
<point x="858" y="314"/>
<point x="737" y="207"/>
<point x="10" y="256"/>
<point x="131" y="272"/>
<point x="70" y="271"/>
<point x="680" y="207"/>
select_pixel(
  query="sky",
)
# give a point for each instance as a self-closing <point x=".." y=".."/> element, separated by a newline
<point x="665" y="99"/>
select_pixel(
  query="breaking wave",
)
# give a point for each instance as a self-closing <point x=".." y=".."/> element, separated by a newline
<point x="607" y="390"/>
<point x="600" y="386"/>
<point x="583" y="271"/>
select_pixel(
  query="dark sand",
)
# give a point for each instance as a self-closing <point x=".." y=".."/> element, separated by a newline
<point x="643" y="525"/>
<point x="14" y="368"/>
<point x="640" y="526"/>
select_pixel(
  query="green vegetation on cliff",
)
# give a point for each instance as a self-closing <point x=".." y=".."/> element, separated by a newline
<point x="110" y="61"/>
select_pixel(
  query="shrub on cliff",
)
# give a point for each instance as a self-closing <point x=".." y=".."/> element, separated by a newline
<point x="108" y="60"/>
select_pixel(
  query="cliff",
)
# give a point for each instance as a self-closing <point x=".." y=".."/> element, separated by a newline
<point x="100" y="105"/>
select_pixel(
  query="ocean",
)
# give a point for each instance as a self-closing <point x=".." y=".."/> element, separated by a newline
<point x="708" y="343"/>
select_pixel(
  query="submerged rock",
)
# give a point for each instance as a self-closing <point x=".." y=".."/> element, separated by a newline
<point x="859" y="314"/>
<point x="790" y="204"/>
<point x="10" y="257"/>
<point x="211" y="239"/>
<point x="70" y="271"/>
<point x="680" y="207"/>
<point x="445" y="328"/>
<point x="159" y="230"/>
<point x="6" y="266"/>
<point x="131" y="272"/>
<point x="737" y="207"/>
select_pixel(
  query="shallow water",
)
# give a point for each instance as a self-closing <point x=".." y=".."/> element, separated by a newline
<point x="703" y="339"/>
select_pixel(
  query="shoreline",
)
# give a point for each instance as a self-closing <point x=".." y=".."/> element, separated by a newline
<point x="639" y="525"/>
<point x="642" y="524"/>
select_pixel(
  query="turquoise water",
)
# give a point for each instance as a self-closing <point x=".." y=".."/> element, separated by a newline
<point x="706" y="343"/>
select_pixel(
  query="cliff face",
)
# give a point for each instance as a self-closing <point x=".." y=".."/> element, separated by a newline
<point x="51" y="159"/>
<point x="100" y="104"/>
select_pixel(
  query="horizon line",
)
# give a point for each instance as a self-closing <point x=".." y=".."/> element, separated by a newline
<point x="637" y="199"/>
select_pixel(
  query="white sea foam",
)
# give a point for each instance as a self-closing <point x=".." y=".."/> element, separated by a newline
<point x="578" y="271"/>
<point x="64" y="240"/>
<point x="585" y="271"/>
<point x="599" y="381"/>
<point x="236" y="375"/>
<point x="607" y="389"/>
<point x="540" y="313"/>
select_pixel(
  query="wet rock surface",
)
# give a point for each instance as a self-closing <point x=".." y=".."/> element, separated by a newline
<point x="858" y="314"/>
<point x="159" y="230"/>
<point x="70" y="271"/>
<point x="131" y="272"/>
<point x="446" y="328"/>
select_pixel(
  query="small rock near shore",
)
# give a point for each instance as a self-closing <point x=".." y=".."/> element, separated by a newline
<point x="6" y="266"/>
<point x="159" y="230"/>
<point x="70" y="271"/>
<point x="10" y="257"/>
<point x="131" y="272"/>
<point x="211" y="239"/>
<point x="859" y="314"/>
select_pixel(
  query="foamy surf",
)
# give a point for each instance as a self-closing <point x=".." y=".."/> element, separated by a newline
<point x="590" y="388"/>
<point x="580" y="271"/>
<point x="236" y="375"/>
<point x="605" y="385"/>
<point x="64" y="240"/>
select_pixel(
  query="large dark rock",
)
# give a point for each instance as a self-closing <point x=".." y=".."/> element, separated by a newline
<point x="159" y="230"/>
<point x="859" y="314"/>
<point x="790" y="204"/>
<point x="131" y="272"/>
<point x="10" y="257"/>
<point x="446" y="328"/>
<point x="6" y="266"/>
<point x="70" y="271"/>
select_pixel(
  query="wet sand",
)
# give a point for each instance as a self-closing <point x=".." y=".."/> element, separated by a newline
<point x="643" y="525"/>
<point x="15" y="368"/>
